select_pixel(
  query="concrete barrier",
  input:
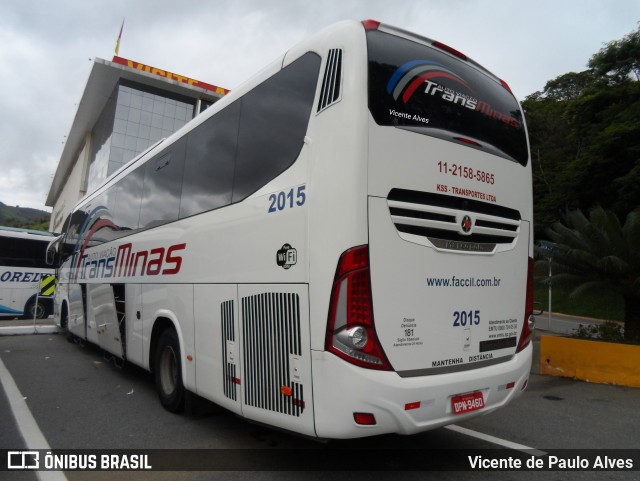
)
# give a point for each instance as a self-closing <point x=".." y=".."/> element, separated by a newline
<point x="592" y="361"/>
<point x="24" y="330"/>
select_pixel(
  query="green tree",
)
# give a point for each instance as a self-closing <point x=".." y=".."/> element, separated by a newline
<point x="568" y="86"/>
<point x="619" y="59"/>
<point x="598" y="253"/>
<point x="552" y="147"/>
<point x="584" y="130"/>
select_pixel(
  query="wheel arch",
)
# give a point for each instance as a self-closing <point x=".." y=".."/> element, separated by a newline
<point x="64" y="314"/>
<point x="45" y="301"/>
<point x="162" y="322"/>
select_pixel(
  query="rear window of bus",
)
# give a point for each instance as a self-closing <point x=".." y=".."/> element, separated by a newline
<point x="420" y="88"/>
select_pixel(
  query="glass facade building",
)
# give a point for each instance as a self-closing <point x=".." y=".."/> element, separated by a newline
<point x="134" y="118"/>
<point x="126" y="107"/>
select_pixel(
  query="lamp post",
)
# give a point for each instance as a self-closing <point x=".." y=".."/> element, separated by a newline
<point x="549" y="250"/>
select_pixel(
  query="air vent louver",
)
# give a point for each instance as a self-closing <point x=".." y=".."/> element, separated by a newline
<point x="330" y="93"/>
<point x="228" y="334"/>
<point x="272" y="337"/>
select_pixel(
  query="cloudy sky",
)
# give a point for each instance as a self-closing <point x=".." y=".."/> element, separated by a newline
<point x="46" y="49"/>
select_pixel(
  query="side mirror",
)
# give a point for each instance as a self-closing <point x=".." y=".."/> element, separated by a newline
<point x="537" y="308"/>
<point x="51" y="257"/>
<point x="52" y="251"/>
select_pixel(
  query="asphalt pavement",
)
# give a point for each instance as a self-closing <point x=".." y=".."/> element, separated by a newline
<point x="79" y="401"/>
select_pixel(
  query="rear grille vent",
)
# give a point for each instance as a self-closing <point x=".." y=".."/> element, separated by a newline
<point x="228" y="334"/>
<point x="453" y="223"/>
<point x="271" y="330"/>
<point x="330" y="93"/>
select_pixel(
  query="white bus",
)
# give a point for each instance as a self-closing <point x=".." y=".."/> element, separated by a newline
<point x="341" y="247"/>
<point x="27" y="283"/>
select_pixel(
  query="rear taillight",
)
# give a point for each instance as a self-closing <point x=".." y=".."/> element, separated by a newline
<point x="371" y="24"/>
<point x="351" y="333"/>
<point x="450" y="50"/>
<point x="506" y="86"/>
<point x="527" y="328"/>
<point x="468" y="141"/>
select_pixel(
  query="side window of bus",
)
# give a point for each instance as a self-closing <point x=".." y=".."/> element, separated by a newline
<point x="128" y="192"/>
<point x="99" y="228"/>
<point x="160" y="201"/>
<point x="108" y="230"/>
<point x="273" y="123"/>
<point x="72" y="241"/>
<point x="208" y="171"/>
<point x="63" y="250"/>
<point x="22" y="252"/>
<point x="6" y="251"/>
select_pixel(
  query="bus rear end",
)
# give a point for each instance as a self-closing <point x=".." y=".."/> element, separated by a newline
<point x="430" y="321"/>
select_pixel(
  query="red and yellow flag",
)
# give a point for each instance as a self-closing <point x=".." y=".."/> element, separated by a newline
<point x="119" y="37"/>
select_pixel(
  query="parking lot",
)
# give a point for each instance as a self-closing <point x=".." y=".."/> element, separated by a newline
<point x="79" y="401"/>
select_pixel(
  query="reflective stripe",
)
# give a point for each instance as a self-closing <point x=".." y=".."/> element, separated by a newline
<point x="48" y="286"/>
<point x="8" y="310"/>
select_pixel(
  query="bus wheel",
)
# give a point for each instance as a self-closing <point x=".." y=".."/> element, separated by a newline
<point x="64" y="317"/>
<point x="168" y="372"/>
<point x="35" y="309"/>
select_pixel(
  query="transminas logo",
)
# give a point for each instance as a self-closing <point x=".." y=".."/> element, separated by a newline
<point x="439" y="82"/>
<point x="408" y="77"/>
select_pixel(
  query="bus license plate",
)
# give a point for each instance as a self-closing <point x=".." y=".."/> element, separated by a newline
<point x="467" y="402"/>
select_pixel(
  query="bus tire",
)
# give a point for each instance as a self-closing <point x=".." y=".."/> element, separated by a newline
<point x="35" y="308"/>
<point x="64" y="316"/>
<point x="168" y="372"/>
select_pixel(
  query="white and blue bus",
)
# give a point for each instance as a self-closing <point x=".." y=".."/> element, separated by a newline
<point x="340" y="247"/>
<point x="27" y="283"/>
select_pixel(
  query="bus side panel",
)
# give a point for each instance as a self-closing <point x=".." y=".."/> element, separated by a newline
<point x="133" y="321"/>
<point x="76" y="311"/>
<point x="60" y="298"/>
<point x="338" y="178"/>
<point x="91" y="328"/>
<point x="276" y="356"/>
<point x="261" y="239"/>
<point x="17" y="286"/>
<point x="217" y="344"/>
<point x="173" y="302"/>
<point x="12" y="301"/>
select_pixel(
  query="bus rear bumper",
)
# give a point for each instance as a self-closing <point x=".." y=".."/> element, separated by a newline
<point x="406" y="405"/>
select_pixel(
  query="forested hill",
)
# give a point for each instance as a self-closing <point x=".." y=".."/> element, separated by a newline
<point x="584" y="130"/>
<point x="24" y="217"/>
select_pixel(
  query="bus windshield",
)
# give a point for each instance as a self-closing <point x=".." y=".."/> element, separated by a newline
<point x="19" y="248"/>
<point x="420" y="88"/>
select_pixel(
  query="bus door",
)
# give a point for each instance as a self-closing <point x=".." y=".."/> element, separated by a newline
<point x="105" y="319"/>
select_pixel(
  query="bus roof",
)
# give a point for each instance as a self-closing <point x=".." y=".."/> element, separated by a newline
<point x="23" y="233"/>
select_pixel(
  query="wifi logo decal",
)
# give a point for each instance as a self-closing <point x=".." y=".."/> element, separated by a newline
<point x="408" y="77"/>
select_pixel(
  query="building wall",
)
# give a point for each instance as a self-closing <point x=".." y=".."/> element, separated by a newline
<point x="101" y="145"/>
<point x="74" y="189"/>
<point x="137" y="112"/>
<point x="133" y="120"/>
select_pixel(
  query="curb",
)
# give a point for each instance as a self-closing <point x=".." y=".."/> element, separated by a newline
<point x="24" y="330"/>
<point x="591" y="361"/>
